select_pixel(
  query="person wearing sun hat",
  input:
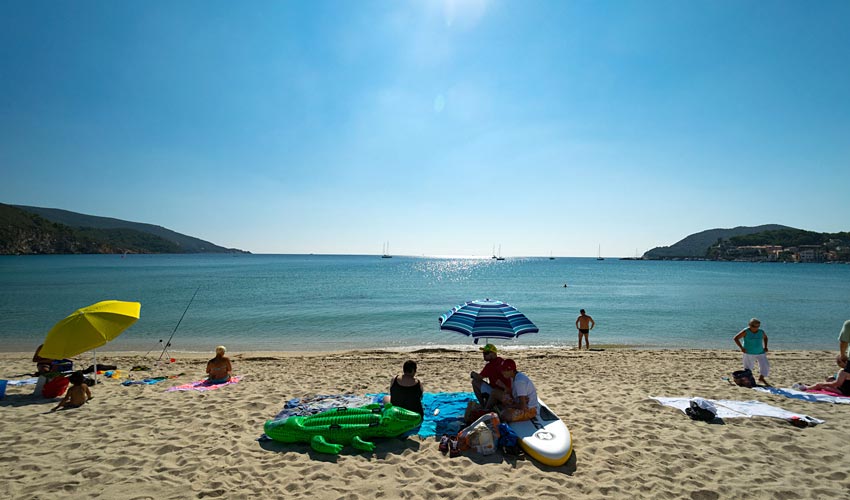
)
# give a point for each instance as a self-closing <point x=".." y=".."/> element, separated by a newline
<point x="491" y="390"/>
<point x="521" y="404"/>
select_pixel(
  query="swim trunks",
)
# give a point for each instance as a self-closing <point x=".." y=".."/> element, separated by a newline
<point x="516" y="414"/>
<point x="583" y="330"/>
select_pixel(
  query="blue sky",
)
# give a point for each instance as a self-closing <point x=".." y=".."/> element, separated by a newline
<point x="443" y="127"/>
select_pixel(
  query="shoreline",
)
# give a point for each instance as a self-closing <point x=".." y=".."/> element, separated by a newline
<point x="410" y="350"/>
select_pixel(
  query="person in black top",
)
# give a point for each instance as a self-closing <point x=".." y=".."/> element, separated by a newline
<point x="406" y="390"/>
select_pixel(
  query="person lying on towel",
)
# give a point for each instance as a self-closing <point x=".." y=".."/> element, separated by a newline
<point x="840" y="386"/>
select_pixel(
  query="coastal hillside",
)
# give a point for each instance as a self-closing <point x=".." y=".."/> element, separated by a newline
<point x="34" y="230"/>
<point x="696" y="245"/>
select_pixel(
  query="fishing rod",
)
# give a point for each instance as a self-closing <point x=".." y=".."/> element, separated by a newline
<point x="168" y="344"/>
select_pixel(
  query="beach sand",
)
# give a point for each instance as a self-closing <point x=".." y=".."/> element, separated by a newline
<point x="144" y="442"/>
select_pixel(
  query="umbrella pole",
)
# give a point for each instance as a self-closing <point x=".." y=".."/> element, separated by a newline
<point x="94" y="354"/>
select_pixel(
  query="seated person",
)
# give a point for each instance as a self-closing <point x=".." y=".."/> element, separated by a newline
<point x="42" y="364"/>
<point x="219" y="368"/>
<point x="77" y="394"/>
<point x="522" y="402"/>
<point x="406" y="390"/>
<point x="489" y="394"/>
<point x="840" y="386"/>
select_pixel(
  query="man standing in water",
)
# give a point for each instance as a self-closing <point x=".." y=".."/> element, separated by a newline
<point x="585" y="324"/>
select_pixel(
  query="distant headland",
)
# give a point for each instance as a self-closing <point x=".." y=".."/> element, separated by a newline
<point x="28" y="230"/>
<point x="767" y="243"/>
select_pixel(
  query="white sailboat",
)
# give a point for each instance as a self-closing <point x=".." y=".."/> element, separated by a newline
<point x="550" y="255"/>
<point x="500" y="254"/>
<point x="386" y="251"/>
<point x="599" y="253"/>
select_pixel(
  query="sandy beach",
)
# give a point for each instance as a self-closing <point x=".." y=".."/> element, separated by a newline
<point x="143" y="442"/>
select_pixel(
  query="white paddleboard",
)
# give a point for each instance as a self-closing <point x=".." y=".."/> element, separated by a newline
<point x="545" y="437"/>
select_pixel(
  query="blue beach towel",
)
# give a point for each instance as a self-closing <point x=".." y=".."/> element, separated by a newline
<point x="449" y="420"/>
<point x="147" y="381"/>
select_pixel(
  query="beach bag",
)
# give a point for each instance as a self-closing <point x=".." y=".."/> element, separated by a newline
<point x="55" y="387"/>
<point x="481" y="439"/>
<point x="508" y="441"/>
<point x="744" y="378"/>
<point x="466" y="439"/>
<point x="701" y="410"/>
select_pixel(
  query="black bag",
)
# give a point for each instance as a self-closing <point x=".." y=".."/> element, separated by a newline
<point x="744" y="378"/>
<point x="696" y="412"/>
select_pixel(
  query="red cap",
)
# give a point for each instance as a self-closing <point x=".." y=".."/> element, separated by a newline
<point x="508" y="364"/>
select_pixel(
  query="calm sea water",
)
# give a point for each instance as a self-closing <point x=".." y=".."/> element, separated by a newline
<point x="300" y="302"/>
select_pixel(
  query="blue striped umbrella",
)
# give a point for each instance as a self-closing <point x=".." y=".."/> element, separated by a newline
<point x="487" y="319"/>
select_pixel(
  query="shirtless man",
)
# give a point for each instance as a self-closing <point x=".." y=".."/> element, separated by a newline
<point x="585" y="324"/>
<point x="219" y="368"/>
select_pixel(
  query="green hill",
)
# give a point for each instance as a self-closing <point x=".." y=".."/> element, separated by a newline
<point x="696" y="245"/>
<point x="185" y="244"/>
<point x="24" y="230"/>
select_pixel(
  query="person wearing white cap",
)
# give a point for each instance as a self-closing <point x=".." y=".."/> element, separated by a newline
<point x="219" y="368"/>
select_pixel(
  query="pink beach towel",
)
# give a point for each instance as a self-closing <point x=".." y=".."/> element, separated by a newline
<point x="201" y="385"/>
<point x="827" y="393"/>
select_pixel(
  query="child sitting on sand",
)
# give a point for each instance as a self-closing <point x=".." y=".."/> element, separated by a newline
<point x="77" y="394"/>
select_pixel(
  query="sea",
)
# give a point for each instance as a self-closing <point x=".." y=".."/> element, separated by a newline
<point x="341" y="302"/>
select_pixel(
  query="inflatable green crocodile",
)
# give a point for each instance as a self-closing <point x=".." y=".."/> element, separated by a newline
<point x="328" y="431"/>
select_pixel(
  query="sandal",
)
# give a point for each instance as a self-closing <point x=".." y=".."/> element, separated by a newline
<point x="455" y="451"/>
<point x="444" y="444"/>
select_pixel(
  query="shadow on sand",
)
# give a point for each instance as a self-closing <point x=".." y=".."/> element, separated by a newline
<point x="383" y="449"/>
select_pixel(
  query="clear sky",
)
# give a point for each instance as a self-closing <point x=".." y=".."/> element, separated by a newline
<point x="443" y="127"/>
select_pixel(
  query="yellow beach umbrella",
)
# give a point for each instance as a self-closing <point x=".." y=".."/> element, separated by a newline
<point x="89" y="328"/>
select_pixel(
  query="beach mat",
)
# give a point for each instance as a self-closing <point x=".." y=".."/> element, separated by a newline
<point x="202" y="385"/>
<point x="727" y="408"/>
<point x="812" y="397"/>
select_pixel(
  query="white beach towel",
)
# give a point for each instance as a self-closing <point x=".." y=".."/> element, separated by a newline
<point x="26" y="381"/>
<point x="727" y="408"/>
<point x="805" y="396"/>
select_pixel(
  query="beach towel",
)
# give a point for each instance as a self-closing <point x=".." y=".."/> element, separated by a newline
<point x="311" y="405"/>
<point x="202" y="385"/>
<point x="449" y="418"/>
<point x="146" y="381"/>
<point x="26" y="381"/>
<point x="727" y="408"/>
<point x="813" y="397"/>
